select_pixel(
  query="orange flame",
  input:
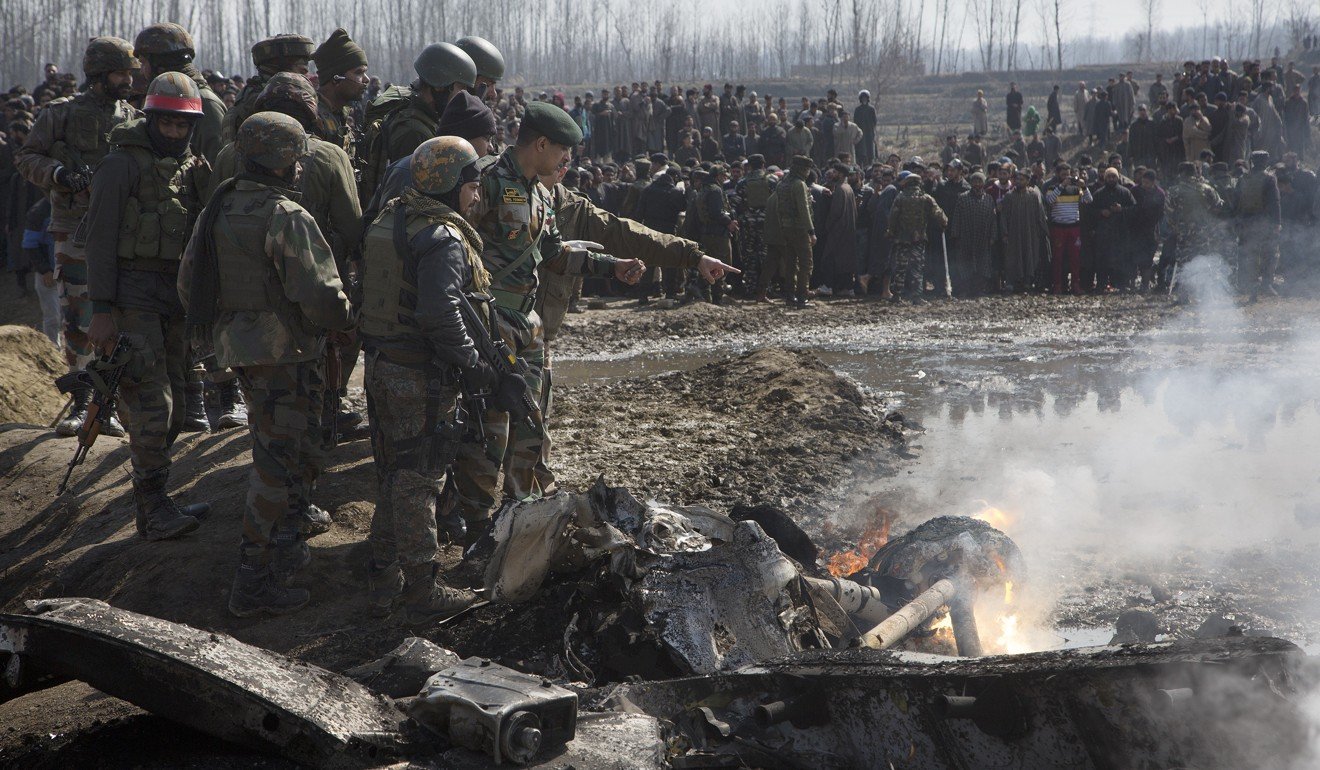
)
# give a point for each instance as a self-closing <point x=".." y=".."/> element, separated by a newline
<point x="845" y="563"/>
<point x="999" y="519"/>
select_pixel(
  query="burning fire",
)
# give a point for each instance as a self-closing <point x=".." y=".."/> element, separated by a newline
<point x="998" y="518"/>
<point x="845" y="563"/>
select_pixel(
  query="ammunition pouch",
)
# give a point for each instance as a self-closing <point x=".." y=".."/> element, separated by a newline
<point x="437" y="447"/>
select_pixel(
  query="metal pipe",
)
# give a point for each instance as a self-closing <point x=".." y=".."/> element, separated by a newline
<point x="965" y="632"/>
<point x="893" y="628"/>
<point x="860" y="601"/>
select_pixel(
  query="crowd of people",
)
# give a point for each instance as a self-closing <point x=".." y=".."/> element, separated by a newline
<point x="255" y="238"/>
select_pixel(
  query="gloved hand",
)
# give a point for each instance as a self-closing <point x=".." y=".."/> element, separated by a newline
<point x="74" y="181"/>
<point x="480" y="377"/>
<point x="510" y="396"/>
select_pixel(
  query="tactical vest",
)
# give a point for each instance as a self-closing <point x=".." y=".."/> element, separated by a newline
<point x="1251" y="192"/>
<point x="87" y="131"/>
<point x="756" y="190"/>
<point x="248" y="280"/>
<point x="156" y="222"/>
<point x="389" y="283"/>
<point x="390" y="108"/>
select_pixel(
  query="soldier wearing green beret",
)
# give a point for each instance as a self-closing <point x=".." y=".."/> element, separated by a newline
<point x="516" y="220"/>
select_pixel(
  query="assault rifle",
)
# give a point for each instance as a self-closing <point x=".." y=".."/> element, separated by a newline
<point x="495" y="351"/>
<point x="334" y="372"/>
<point x="102" y="378"/>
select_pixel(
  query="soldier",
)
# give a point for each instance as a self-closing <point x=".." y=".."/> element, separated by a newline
<point x="516" y="220"/>
<point x="341" y="68"/>
<point x="410" y="117"/>
<point x="167" y="47"/>
<point x="907" y="230"/>
<point x="795" y="230"/>
<point x="329" y="194"/>
<point x="489" y="62"/>
<point x="282" y="53"/>
<point x="259" y="274"/>
<point x="1259" y="223"/>
<point x="750" y="195"/>
<point x="717" y="227"/>
<point x="143" y="199"/>
<point x="1190" y="209"/>
<point x="423" y="257"/>
<point x="70" y="137"/>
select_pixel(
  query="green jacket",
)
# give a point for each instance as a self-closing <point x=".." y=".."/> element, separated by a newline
<point x="279" y="290"/>
<point x="794" y="204"/>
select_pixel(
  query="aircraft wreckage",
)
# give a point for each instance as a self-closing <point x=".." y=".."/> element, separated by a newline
<point x="763" y="662"/>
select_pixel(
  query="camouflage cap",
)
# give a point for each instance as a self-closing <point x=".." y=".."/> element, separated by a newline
<point x="289" y="93"/>
<point x="271" y="140"/>
<point x="173" y="92"/>
<point x="553" y="123"/>
<point x="439" y="164"/>
<point x="162" y="38"/>
<point x="109" y="54"/>
<point x="281" y="46"/>
<point x="489" y="60"/>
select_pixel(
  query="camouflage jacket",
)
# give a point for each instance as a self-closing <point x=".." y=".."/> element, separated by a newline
<point x="1190" y="210"/>
<point x="516" y="220"/>
<point x="580" y="219"/>
<point x="243" y="108"/>
<point x="912" y="214"/>
<point x="334" y="126"/>
<point x="793" y="201"/>
<point x="286" y="257"/>
<point x="208" y="132"/>
<point x="73" y="132"/>
<point x="329" y="194"/>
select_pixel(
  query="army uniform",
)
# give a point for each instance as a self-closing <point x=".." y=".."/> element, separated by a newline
<point x="334" y="126"/>
<point x="516" y="220"/>
<point x="266" y="56"/>
<point x="1258" y="219"/>
<point x="71" y="136"/>
<point x="795" y="227"/>
<point x="713" y="214"/>
<point x="422" y="257"/>
<point x="1190" y="210"/>
<point x="259" y="273"/>
<point x="750" y="196"/>
<point x="909" y="220"/>
<point x="169" y="47"/>
<point x="144" y="198"/>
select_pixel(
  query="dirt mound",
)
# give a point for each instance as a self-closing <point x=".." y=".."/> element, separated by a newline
<point x="29" y="365"/>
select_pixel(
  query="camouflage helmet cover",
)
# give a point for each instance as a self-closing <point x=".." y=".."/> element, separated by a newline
<point x="443" y="64"/>
<point x="163" y="38"/>
<point x="173" y="92"/>
<point x="271" y="140"/>
<point x="489" y="60"/>
<point x="438" y="163"/>
<point x="109" y="54"/>
<point x="280" y="47"/>
<point x="291" y="88"/>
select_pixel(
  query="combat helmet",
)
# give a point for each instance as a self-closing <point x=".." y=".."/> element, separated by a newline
<point x="164" y="38"/>
<point x="282" y="46"/>
<point x="489" y="60"/>
<point x="271" y="140"/>
<point x="173" y="92"/>
<point x="442" y="163"/>
<point x="441" y="64"/>
<point x="109" y="54"/>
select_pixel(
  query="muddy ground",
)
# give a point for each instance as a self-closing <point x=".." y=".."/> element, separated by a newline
<point x="818" y="411"/>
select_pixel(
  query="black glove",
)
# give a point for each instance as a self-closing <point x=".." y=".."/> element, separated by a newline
<point x="480" y="377"/>
<point x="75" y="181"/>
<point x="511" y="396"/>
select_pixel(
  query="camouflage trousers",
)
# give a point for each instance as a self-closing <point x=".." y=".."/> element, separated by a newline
<point x="752" y="237"/>
<point x="151" y="404"/>
<point x="75" y="307"/>
<point x="720" y="247"/>
<point x="909" y="263"/>
<point x="516" y="449"/>
<point x="398" y="400"/>
<point x="284" y="418"/>
<point x="1258" y="257"/>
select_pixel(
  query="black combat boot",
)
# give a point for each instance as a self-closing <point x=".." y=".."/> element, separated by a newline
<point x="77" y="413"/>
<point x="233" y="411"/>
<point x="158" y="516"/>
<point x="194" y="409"/>
<point x="426" y="599"/>
<point x="113" y="427"/>
<point x="257" y="590"/>
<point x="384" y="587"/>
<point x="289" y="553"/>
